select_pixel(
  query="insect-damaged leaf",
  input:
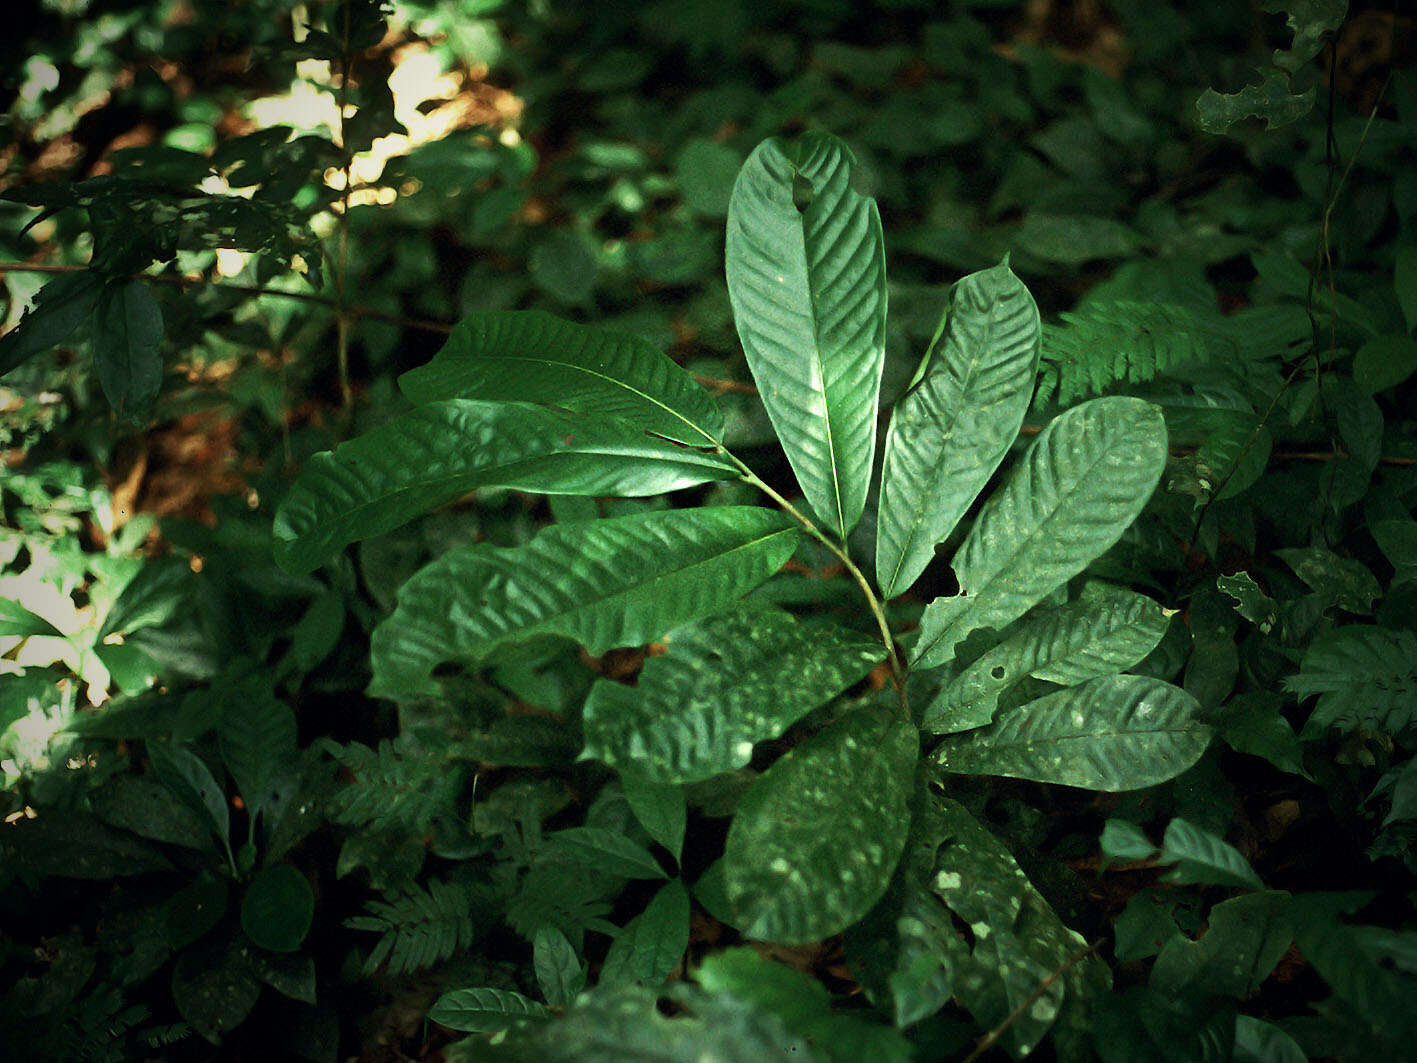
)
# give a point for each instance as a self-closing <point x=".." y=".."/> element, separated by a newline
<point x="817" y="836"/>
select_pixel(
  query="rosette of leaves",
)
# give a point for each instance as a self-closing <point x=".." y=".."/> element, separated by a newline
<point x="522" y="400"/>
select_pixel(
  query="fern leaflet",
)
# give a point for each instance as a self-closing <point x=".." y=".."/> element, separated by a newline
<point x="1366" y="679"/>
<point x="420" y="928"/>
<point x="396" y="787"/>
<point x="1116" y="341"/>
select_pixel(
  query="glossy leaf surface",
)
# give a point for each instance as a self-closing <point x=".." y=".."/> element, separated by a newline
<point x="1119" y="732"/>
<point x="1094" y="636"/>
<point x="817" y="836"/>
<point x="484" y="1010"/>
<point x="650" y="946"/>
<point x="807" y="280"/>
<point x="951" y="430"/>
<point x="1082" y="483"/>
<point x="726" y="683"/>
<point x="127" y="328"/>
<point x="439" y="452"/>
<point x="615" y="582"/>
<point x="531" y="356"/>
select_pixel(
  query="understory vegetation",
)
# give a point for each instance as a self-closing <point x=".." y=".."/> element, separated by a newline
<point x="800" y="529"/>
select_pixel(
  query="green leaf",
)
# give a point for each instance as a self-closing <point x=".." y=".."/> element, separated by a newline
<point x="705" y="171"/>
<point x="1123" y="840"/>
<point x="71" y="844"/>
<point x="192" y="780"/>
<point x="127" y="329"/>
<point x="58" y="308"/>
<point x="726" y="683"/>
<point x="16" y="620"/>
<point x="1245" y="938"/>
<point x="1273" y="99"/>
<point x="803" y="1005"/>
<point x="1257" y="1041"/>
<point x="1253" y="723"/>
<point x="1018" y="940"/>
<point x="148" y="808"/>
<point x="1105" y="631"/>
<point x="1384" y="362"/>
<point x="651" y="945"/>
<point x="627" y="1023"/>
<point x="1081" y="484"/>
<point x="1201" y="857"/>
<point x="531" y="356"/>
<point x="949" y="433"/>
<point x="559" y="971"/>
<point x="563" y="266"/>
<point x="277" y="908"/>
<point x="1119" y="732"/>
<point x="213" y="988"/>
<point x="817" y="836"/>
<point x="1405" y="283"/>
<point x="1397" y="538"/>
<point x="257" y="739"/>
<point x="1342" y="581"/>
<point x="660" y="808"/>
<point x="1144" y="927"/>
<point x="807" y="280"/>
<point x="605" y="851"/>
<point x="484" y="1010"/>
<point x="616" y="582"/>
<point x="436" y="453"/>
<point x="1366" y="678"/>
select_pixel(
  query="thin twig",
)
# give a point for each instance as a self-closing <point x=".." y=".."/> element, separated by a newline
<point x="990" y="1039"/>
<point x="877" y="610"/>
<point x="342" y="255"/>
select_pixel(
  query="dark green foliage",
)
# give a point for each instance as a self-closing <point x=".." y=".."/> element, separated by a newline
<point x="439" y="507"/>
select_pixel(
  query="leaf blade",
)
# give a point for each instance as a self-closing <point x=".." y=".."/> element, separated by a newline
<point x="818" y="835"/>
<point x="436" y="453"/>
<point x="1080" y="486"/>
<point x="127" y="331"/>
<point x="809" y="300"/>
<point x="949" y="433"/>
<point x="1119" y="732"/>
<point x="605" y="583"/>
<point x="532" y="356"/>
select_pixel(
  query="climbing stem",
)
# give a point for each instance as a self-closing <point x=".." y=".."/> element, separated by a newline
<point x="839" y="551"/>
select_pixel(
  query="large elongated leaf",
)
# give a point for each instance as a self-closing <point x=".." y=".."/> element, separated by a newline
<point x="127" y="329"/>
<point x="818" y="835"/>
<point x="725" y="684"/>
<point x="949" y="433"/>
<point x="1119" y="732"/>
<point x="1101" y="633"/>
<point x="607" y="583"/>
<point x="807" y="279"/>
<point x="58" y="308"/>
<point x="436" y="453"/>
<point x="531" y="356"/>
<point x="1082" y="483"/>
<point x="1019" y="941"/>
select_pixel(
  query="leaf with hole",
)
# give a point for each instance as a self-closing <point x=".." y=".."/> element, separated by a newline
<point x="807" y="279"/>
<point x="1107" y="630"/>
<point x="1079" y="487"/>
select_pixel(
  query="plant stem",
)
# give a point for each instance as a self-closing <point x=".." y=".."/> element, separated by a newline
<point x="342" y="254"/>
<point x="839" y="551"/>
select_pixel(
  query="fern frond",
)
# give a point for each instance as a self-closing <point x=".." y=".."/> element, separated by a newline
<point x="396" y="787"/>
<point x="558" y="894"/>
<point x="1117" y="341"/>
<point x="420" y="928"/>
<point x="1366" y="679"/>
